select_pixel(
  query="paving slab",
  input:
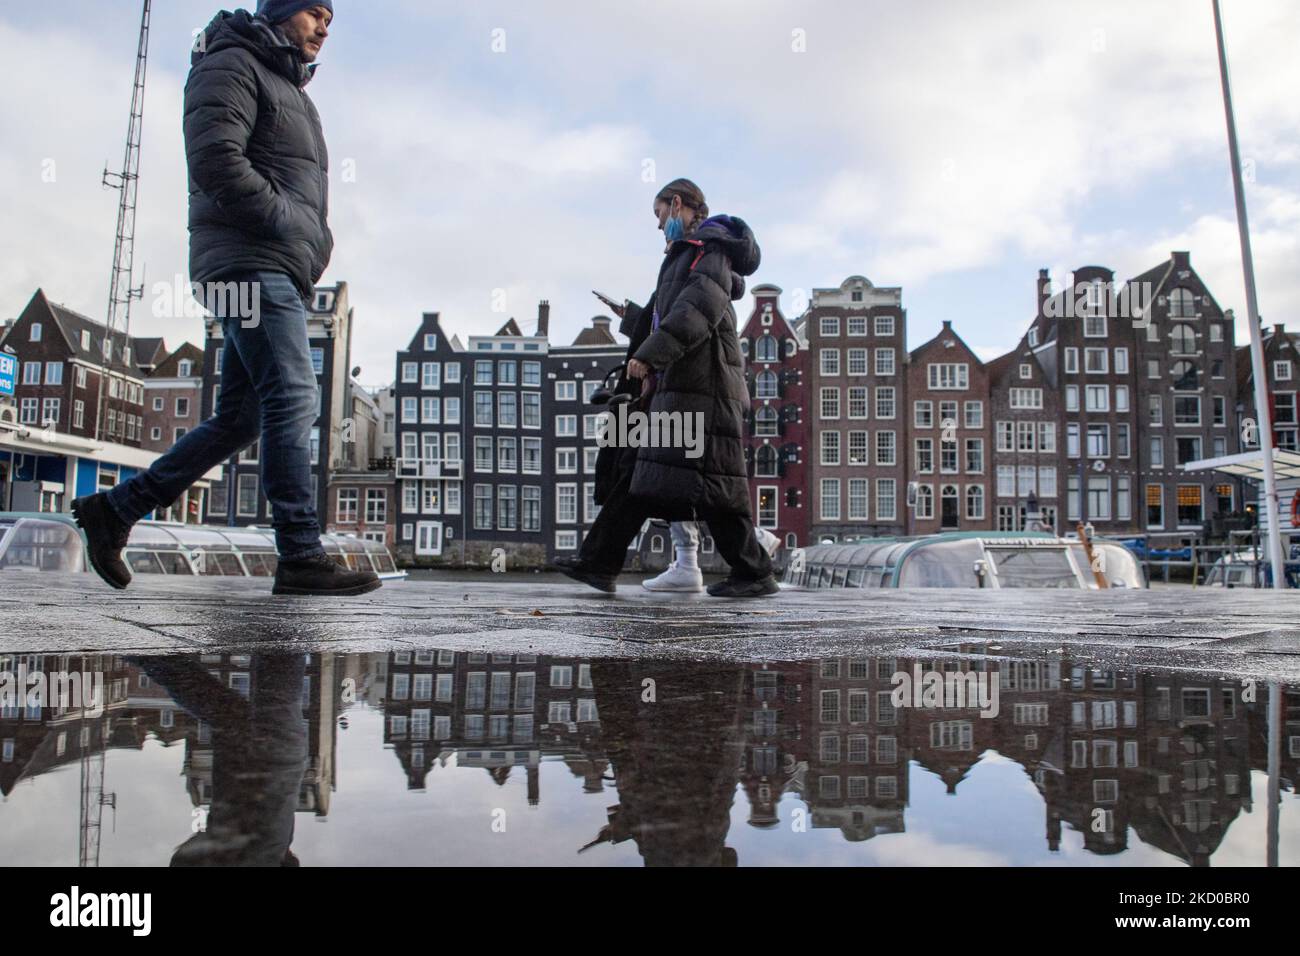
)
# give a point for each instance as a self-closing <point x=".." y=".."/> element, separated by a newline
<point x="1244" y="630"/>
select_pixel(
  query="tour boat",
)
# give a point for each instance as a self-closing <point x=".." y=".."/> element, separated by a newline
<point x="981" y="559"/>
<point x="53" y="542"/>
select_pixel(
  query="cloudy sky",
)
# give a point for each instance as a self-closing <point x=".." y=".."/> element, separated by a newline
<point x="951" y="148"/>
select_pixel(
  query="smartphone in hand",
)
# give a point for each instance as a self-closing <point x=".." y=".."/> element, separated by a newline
<point x="618" y="308"/>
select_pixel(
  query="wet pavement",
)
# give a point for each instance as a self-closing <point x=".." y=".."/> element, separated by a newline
<point x="450" y="722"/>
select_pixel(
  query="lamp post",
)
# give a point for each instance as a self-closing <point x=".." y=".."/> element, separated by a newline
<point x="1272" y="511"/>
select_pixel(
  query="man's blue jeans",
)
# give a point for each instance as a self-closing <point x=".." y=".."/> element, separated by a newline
<point x="268" y="388"/>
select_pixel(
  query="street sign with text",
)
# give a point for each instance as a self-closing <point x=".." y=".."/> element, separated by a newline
<point x="8" y="372"/>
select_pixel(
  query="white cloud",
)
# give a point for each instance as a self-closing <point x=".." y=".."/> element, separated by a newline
<point x="906" y="144"/>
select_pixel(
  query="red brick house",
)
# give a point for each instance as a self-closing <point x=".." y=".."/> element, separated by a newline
<point x="949" y="431"/>
<point x="776" y="441"/>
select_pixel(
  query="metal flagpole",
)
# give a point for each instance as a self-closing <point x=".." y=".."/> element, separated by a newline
<point x="1271" y="509"/>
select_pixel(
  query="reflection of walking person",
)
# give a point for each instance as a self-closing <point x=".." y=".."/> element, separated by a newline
<point x="258" y="183"/>
<point x="259" y="755"/>
<point x="675" y="756"/>
<point x="689" y="360"/>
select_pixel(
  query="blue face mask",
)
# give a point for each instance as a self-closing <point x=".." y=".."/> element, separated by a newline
<point x="673" y="229"/>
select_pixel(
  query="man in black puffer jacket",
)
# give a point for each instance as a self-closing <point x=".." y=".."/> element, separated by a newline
<point x="257" y="158"/>
<point x="259" y="242"/>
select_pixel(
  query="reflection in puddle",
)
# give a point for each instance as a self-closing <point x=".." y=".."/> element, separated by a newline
<point x="441" y="757"/>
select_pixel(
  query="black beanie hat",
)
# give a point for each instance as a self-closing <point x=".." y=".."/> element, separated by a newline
<point x="278" y="10"/>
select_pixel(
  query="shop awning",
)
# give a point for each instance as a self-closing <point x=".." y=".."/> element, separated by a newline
<point x="1250" y="464"/>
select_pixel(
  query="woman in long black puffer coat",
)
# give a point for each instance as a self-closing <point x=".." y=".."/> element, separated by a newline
<point x="689" y="363"/>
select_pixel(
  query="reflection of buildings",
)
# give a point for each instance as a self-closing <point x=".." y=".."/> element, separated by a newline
<point x="36" y="740"/>
<point x="1160" y="753"/>
<point x="1115" y="754"/>
<point x="1258" y="717"/>
<point x="775" y="730"/>
<point x="320" y="701"/>
<point x="75" y="720"/>
<point x="857" y="773"/>
<point x="497" y="712"/>
<point x="1197" y="748"/>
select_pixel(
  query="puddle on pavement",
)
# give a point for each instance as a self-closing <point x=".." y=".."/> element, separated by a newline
<point x="441" y="757"/>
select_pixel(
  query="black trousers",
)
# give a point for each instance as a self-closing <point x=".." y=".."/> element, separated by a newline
<point x="605" y="548"/>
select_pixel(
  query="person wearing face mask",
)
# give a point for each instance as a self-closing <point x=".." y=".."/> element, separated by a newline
<point x="685" y="359"/>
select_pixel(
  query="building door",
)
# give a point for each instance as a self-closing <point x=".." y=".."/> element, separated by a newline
<point x="951" y="508"/>
<point x="428" y="538"/>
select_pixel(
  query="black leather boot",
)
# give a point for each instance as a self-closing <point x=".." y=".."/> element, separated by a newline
<point x="322" y="576"/>
<point x="733" y="588"/>
<point x="573" y="567"/>
<point x="106" y="536"/>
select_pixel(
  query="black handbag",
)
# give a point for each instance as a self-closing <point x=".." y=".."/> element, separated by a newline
<point x="613" y="462"/>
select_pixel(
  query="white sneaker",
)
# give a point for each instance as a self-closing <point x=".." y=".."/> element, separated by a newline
<point x="770" y="542"/>
<point x="676" y="579"/>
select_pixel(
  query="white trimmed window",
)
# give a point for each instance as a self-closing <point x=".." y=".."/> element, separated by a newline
<point x="858" y="448"/>
<point x="1047" y="436"/>
<point x="886" y="448"/>
<point x="1027" y="398"/>
<point x="347" y="505"/>
<point x="566" y="504"/>
<point x="857" y="361"/>
<point x="859" y="492"/>
<point x="1006" y="436"/>
<point x="830" y="448"/>
<point x="886" y="499"/>
<point x="948" y="376"/>
<point x="925" y="501"/>
<point x="830" y="499"/>
<point x="885" y="404"/>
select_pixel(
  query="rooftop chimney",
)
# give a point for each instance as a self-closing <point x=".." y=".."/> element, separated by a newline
<point x="1044" y="289"/>
<point x="543" y="318"/>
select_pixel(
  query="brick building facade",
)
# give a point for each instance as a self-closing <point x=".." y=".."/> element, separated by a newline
<point x="856" y="338"/>
<point x="777" y="446"/>
<point x="948" y="395"/>
<point x="173" y="398"/>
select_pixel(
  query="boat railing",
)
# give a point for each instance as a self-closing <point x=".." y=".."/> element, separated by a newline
<point x="1170" y="551"/>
